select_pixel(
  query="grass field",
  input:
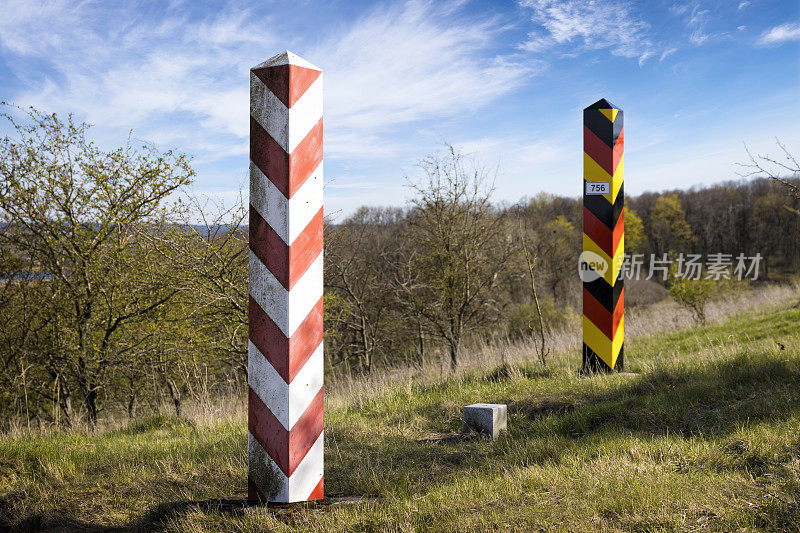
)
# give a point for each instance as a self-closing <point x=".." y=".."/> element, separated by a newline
<point x="703" y="435"/>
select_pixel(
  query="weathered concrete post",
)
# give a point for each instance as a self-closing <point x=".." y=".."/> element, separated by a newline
<point x="285" y="362"/>
<point x="487" y="418"/>
<point x="603" y="238"/>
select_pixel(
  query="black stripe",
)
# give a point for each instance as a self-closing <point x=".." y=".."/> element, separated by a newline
<point x="593" y="364"/>
<point x="602" y="104"/>
<point x="605" y="293"/>
<point x="600" y="126"/>
<point x="617" y="125"/>
<point x="601" y="208"/>
<point x="598" y="123"/>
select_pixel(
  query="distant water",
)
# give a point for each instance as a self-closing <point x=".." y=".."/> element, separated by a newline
<point x="17" y="276"/>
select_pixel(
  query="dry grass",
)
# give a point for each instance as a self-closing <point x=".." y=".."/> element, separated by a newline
<point x="704" y="436"/>
<point x="654" y="319"/>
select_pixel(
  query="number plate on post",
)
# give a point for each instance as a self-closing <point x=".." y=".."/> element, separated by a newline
<point x="598" y="187"/>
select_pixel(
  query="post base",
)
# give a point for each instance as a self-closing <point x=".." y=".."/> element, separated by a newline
<point x="593" y="364"/>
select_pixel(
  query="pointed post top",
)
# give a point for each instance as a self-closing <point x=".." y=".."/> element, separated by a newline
<point x="286" y="58"/>
<point x="602" y="104"/>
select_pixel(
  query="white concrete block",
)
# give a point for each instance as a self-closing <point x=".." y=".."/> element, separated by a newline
<point x="487" y="418"/>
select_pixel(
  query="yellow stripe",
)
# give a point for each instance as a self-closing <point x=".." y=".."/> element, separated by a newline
<point x="594" y="172"/>
<point x="606" y="349"/>
<point x="616" y="346"/>
<point x="618" y="256"/>
<point x="599" y="343"/>
<point x="610" y="114"/>
<point x="616" y="182"/>
<point x="620" y="246"/>
<point x="615" y="265"/>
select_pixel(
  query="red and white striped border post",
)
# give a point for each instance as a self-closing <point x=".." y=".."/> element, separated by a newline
<point x="285" y="361"/>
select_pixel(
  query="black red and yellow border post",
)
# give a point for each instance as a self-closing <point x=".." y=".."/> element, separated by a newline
<point x="603" y="238"/>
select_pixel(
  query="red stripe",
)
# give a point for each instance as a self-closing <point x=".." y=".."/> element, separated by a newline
<point x="305" y="158"/>
<point x="305" y="248"/>
<point x="253" y="493"/>
<point x="287" y="82"/>
<point x="277" y="81"/>
<point x="268" y="431"/>
<point x="619" y="311"/>
<point x="269" y="157"/>
<point x="305" y="340"/>
<point x="305" y="431"/>
<point x="270" y="249"/>
<point x="287" y="264"/>
<point x="319" y="491"/>
<point x="268" y="338"/>
<point x="619" y="231"/>
<point x="598" y="151"/>
<point x="607" y="240"/>
<point x="598" y="232"/>
<point x="618" y="148"/>
<point x="287" y="356"/>
<point x="286" y="448"/>
<point x="597" y="314"/>
<point x="287" y="173"/>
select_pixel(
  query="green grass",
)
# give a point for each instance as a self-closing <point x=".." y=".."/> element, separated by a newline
<point x="704" y="436"/>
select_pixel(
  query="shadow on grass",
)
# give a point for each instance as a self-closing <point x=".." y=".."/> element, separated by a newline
<point x="709" y="401"/>
<point x="154" y="520"/>
<point x="712" y="400"/>
<point x="160" y="516"/>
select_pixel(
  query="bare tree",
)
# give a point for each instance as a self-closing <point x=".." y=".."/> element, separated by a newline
<point x="531" y="260"/>
<point x="460" y="245"/>
<point x="764" y="166"/>
<point x="69" y="210"/>
<point x="356" y="268"/>
<point x="206" y="254"/>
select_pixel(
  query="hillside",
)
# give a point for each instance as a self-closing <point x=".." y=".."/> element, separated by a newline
<point x="703" y="434"/>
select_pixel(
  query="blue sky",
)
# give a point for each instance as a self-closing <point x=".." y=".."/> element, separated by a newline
<point x="505" y="81"/>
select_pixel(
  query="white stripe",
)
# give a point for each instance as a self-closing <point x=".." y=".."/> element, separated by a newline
<point x="308" y="473"/>
<point x="305" y="113"/>
<point x="303" y="480"/>
<point x="267" y="384"/>
<point x="287" y="126"/>
<point x="269" y="111"/>
<point x="286" y="58"/>
<point x="270" y="295"/>
<point x="305" y="294"/>
<point x="261" y="469"/>
<point x="305" y="386"/>
<point x="287" y="217"/>
<point x="287" y="309"/>
<point x="286" y="402"/>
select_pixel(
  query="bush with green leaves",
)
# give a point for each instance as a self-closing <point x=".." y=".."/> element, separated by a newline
<point x="694" y="295"/>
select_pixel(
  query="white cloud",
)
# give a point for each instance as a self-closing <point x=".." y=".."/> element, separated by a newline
<point x="698" y="37"/>
<point x="743" y="5"/>
<point x="525" y="164"/>
<point x="595" y="24"/>
<point x="401" y="64"/>
<point x="697" y="21"/>
<point x="679" y="9"/>
<point x="785" y="32"/>
<point x="178" y="82"/>
<point x="184" y="81"/>
<point x="666" y="53"/>
<point x="31" y="27"/>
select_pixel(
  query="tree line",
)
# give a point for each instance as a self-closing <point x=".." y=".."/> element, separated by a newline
<point x="114" y="299"/>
